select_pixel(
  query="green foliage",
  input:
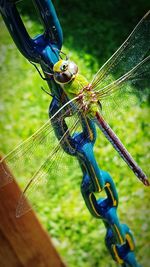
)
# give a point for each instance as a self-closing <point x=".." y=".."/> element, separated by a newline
<point x="92" y="31"/>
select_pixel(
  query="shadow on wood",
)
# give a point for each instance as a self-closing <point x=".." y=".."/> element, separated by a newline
<point x="23" y="241"/>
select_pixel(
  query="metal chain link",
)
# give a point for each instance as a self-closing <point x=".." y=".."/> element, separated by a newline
<point x="119" y="239"/>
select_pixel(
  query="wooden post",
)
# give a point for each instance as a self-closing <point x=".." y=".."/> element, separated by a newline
<point x="23" y="241"/>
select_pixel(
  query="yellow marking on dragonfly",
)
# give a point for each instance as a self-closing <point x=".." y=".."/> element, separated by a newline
<point x="58" y="65"/>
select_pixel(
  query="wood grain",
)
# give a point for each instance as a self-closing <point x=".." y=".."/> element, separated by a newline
<point x="23" y="241"/>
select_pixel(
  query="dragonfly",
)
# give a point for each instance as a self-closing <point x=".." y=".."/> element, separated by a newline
<point x="125" y="74"/>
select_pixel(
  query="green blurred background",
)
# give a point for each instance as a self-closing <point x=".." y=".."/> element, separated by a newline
<point x="93" y="30"/>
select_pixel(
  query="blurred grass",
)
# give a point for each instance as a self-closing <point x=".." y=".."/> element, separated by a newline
<point x="92" y="32"/>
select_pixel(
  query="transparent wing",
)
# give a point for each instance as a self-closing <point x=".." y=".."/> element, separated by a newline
<point x="130" y="53"/>
<point x="33" y="151"/>
<point x="117" y="101"/>
<point x="48" y="171"/>
<point x="122" y="89"/>
<point x="36" y="161"/>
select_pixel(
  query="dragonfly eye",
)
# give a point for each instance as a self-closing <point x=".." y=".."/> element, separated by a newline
<point x="64" y="66"/>
<point x="62" y="77"/>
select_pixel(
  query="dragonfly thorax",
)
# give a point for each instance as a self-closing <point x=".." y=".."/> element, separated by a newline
<point x="88" y="100"/>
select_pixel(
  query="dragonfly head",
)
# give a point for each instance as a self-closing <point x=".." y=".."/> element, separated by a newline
<point x="64" y="71"/>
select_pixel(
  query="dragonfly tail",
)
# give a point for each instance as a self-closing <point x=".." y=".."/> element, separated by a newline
<point x="119" y="147"/>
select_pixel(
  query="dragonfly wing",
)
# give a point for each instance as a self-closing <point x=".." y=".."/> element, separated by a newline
<point x="130" y="53"/>
<point x="132" y="82"/>
<point x="116" y="99"/>
<point x="129" y="90"/>
<point x="21" y="159"/>
<point x="47" y="172"/>
<point x="24" y="159"/>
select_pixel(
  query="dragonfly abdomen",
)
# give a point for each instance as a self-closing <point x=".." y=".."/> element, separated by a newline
<point x="119" y="147"/>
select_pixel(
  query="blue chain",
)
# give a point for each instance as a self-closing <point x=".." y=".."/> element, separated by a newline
<point x="42" y="49"/>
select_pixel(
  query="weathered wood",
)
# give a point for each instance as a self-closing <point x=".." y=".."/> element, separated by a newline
<point x="23" y="241"/>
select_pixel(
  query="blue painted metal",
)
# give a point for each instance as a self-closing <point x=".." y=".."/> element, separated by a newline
<point x="41" y="49"/>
